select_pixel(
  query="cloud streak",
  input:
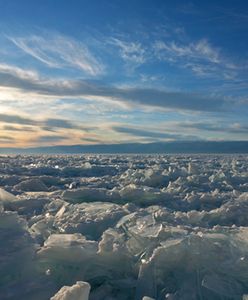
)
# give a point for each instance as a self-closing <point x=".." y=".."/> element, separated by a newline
<point x="235" y="128"/>
<point x="18" y="129"/>
<point x="6" y="139"/>
<point x="57" y="51"/>
<point x="16" y="119"/>
<point x="152" y="134"/>
<point x="51" y="138"/>
<point x="50" y="124"/>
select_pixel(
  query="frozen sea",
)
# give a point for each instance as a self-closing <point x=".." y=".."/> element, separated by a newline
<point x="124" y="227"/>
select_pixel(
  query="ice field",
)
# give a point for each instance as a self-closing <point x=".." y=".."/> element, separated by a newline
<point x="105" y="227"/>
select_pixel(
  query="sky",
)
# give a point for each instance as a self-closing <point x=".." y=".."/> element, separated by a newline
<point x="115" y="71"/>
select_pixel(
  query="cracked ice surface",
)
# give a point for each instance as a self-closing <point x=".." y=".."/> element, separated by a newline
<point x="102" y="227"/>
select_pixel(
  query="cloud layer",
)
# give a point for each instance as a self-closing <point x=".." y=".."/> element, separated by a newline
<point x="19" y="79"/>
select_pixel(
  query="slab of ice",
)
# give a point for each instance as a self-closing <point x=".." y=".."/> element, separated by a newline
<point x="79" y="291"/>
<point x="86" y="195"/>
<point x="31" y="185"/>
<point x="90" y="219"/>
<point x="17" y="252"/>
<point x="67" y="247"/>
<point x="6" y="196"/>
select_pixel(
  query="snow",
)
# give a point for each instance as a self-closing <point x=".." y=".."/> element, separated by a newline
<point x="124" y="227"/>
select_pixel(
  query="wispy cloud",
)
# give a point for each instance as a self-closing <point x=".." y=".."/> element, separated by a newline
<point x="200" y="50"/>
<point x="58" y="51"/>
<point x="18" y="72"/>
<point x="130" y="52"/>
<point x="202" y="58"/>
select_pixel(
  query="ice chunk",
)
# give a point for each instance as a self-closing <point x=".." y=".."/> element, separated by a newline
<point x="6" y="196"/>
<point x="79" y="291"/>
<point x="155" y="178"/>
<point x="68" y="257"/>
<point x="85" y="195"/>
<point x="69" y="247"/>
<point x="60" y="213"/>
<point x="17" y="250"/>
<point x="90" y="219"/>
<point x="31" y="185"/>
<point x="27" y="206"/>
<point x="141" y="195"/>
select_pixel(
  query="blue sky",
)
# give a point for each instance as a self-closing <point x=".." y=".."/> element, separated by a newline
<point x="86" y="72"/>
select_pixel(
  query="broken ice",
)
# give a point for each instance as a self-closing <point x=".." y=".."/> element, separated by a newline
<point x="124" y="227"/>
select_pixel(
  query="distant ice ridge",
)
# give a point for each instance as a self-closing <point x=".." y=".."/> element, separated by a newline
<point x="124" y="227"/>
